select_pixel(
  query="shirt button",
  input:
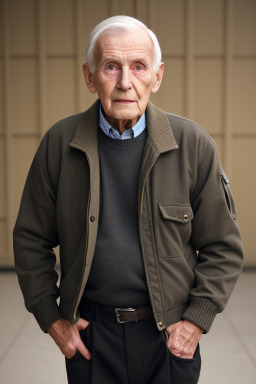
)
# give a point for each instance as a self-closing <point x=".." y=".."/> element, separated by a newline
<point x="92" y="218"/>
<point x="160" y="324"/>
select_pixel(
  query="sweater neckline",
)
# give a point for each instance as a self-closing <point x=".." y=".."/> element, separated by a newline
<point x="121" y="144"/>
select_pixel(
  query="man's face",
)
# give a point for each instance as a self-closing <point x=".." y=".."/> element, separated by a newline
<point x="124" y="77"/>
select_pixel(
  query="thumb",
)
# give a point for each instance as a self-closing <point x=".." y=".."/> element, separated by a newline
<point x="82" y="324"/>
<point x="83" y="350"/>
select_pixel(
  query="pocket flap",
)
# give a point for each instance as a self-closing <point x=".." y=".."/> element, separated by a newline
<point x="179" y="213"/>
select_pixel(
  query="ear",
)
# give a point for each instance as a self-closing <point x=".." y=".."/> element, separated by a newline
<point x="89" y="78"/>
<point x="158" y="78"/>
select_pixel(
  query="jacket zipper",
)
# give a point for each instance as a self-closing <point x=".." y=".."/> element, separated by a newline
<point x="74" y="318"/>
<point x="142" y="247"/>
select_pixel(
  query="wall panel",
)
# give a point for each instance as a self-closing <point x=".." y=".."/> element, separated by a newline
<point x="167" y="19"/>
<point x="93" y="13"/>
<point x="2" y="179"/>
<point x="244" y="88"/>
<point x="24" y="95"/>
<point x="209" y="94"/>
<point x="1" y="27"/>
<point x="3" y="241"/>
<point x="244" y="188"/>
<point x="209" y="27"/>
<point x="60" y="27"/>
<point x="122" y="7"/>
<point x="245" y="31"/>
<point x="171" y="96"/>
<point x="1" y="98"/>
<point x="142" y="9"/>
<point x="61" y="87"/>
<point x="22" y="31"/>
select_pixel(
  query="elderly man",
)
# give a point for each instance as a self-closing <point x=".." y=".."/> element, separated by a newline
<point x="143" y="213"/>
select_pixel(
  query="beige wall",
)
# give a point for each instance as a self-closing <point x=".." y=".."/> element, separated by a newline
<point x="209" y="49"/>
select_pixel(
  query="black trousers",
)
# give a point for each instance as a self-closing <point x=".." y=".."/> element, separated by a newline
<point x="130" y="353"/>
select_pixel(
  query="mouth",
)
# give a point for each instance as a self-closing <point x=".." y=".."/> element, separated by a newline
<point x="124" y="101"/>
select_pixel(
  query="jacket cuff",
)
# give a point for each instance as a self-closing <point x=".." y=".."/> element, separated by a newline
<point x="201" y="311"/>
<point x="46" y="312"/>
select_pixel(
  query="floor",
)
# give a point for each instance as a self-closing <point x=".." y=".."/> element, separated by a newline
<point x="28" y="356"/>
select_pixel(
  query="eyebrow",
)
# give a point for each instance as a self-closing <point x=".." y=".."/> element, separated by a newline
<point x="108" y="59"/>
<point x="111" y="59"/>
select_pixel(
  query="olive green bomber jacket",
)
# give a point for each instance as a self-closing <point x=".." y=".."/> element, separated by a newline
<point x="191" y="246"/>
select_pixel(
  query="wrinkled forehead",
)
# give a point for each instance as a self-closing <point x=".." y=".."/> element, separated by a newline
<point x="127" y="44"/>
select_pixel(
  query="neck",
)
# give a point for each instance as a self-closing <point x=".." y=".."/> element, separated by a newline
<point x="121" y="125"/>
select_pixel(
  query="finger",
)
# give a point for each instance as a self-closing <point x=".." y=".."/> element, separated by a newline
<point x="82" y="324"/>
<point x="70" y="354"/>
<point x="84" y="351"/>
<point x="177" y="352"/>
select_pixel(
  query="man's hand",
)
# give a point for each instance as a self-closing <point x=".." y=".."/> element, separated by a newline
<point x="67" y="337"/>
<point x="183" y="338"/>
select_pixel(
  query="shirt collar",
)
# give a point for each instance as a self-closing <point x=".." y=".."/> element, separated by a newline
<point x="130" y="133"/>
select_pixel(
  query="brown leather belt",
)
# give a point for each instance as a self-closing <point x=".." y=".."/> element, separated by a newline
<point x="120" y="315"/>
<point x="126" y="315"/>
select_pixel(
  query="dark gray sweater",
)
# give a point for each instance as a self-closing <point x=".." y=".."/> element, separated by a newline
<point x="117" y="276"/>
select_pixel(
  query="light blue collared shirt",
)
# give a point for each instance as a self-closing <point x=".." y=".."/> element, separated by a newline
<point x="130" y="133"/>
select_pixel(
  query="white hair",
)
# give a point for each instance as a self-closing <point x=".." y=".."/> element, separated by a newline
<point x="115" y="25"/>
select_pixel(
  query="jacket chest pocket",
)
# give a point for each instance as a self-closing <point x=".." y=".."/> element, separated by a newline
<point x="178" y="213"/>
<point x="174" y="229"/>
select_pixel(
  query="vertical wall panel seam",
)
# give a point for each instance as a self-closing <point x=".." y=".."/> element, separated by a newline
<point x="7" y="124"/>
<point x="228" y="78"/>
<point x="42" y="69"/>
<point x="189" y="65"/>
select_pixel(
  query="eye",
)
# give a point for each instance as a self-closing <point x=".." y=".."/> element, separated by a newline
<point x="139" y="67"/>
<point x="111" y="67"/>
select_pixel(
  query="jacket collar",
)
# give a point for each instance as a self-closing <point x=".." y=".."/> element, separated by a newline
<point x="158" y="129"/>
<point x="86" y="135"/>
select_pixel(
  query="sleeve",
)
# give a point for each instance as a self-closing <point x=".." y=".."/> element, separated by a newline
<point x="216" y="238"/>
<point x="34" y="237"/>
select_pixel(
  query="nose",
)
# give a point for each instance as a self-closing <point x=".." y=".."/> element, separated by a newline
<point x="124" y="81"/>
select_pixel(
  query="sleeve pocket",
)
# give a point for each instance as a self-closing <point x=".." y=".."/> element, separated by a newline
<point x="179" y="213"/>
<point x="228" y="195"/>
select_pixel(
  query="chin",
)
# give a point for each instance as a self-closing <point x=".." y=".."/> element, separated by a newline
<point x="126" y="114"/>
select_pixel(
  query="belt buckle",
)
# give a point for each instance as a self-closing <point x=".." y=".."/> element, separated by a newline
<point x="118" y="314"/>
